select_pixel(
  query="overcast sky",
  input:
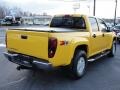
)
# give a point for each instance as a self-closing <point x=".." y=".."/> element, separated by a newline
<point x="104" y="8"/>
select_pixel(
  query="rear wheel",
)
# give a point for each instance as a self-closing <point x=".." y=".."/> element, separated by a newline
<point x="79" y="64"/>
<point x="119" y="41"/>
<point x="112" y="50"/>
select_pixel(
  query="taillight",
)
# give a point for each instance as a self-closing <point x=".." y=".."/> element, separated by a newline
<point x="6" y="39"/>
<point x="52" y="46"/>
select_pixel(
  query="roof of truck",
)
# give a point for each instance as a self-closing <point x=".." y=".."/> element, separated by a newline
<point x="74" y="15"/>
<point x="70" y="15"/>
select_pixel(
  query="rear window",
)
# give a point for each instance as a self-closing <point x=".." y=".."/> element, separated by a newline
<point x="68" y="22"/>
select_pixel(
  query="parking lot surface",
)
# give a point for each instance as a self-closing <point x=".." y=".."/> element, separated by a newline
<point x="103" y="74"/>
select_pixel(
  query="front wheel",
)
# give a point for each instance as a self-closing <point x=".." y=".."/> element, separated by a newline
<point x="79" y="64"/>
<point x="113" y="49"/>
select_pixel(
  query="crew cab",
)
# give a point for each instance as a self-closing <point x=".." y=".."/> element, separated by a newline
<point x="69" y="41"/>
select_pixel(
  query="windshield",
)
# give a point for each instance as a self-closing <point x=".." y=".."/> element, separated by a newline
<point x="68" y="22"/>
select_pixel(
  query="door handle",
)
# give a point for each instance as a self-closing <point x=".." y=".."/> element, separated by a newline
<point x="103" y="34"/>
<point x="94" y="35"/>
<point x="24" y="37"/>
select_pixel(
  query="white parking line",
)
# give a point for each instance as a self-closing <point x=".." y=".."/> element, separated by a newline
<point x="2" y="45"/>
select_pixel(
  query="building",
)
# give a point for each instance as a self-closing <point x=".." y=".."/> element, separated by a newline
<point x="36" y="20"/>
<point x="27" y="20"/>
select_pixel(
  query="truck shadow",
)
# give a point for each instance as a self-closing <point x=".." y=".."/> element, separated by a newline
<point x="58" y="78"/>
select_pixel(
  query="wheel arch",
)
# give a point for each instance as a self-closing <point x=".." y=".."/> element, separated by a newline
<point x="83" y="47"/>
<point x="114" y="38"/>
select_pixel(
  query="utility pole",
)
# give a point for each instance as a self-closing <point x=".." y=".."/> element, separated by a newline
<point x="115" y="12"/>
<point x="94" y="8"/>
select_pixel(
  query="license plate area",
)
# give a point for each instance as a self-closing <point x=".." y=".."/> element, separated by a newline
<point x="23" y="60"/>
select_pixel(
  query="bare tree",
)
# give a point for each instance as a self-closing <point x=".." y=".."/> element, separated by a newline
<point x="2" y="12"/>
<point x="15" y="11"/>
<point x="5" y="10"/>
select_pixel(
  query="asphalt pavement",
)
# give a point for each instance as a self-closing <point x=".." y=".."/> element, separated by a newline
<point x="103" y="74"/>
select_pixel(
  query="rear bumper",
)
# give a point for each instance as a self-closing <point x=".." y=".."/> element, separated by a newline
<point x="28" y="61"/>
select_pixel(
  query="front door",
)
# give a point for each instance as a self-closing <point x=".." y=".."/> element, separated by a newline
<point x="106" y="35"/>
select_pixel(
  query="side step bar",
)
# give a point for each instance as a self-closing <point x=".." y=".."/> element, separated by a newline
<point x="98" y="56"/>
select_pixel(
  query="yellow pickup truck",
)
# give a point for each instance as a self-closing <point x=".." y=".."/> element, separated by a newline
<point x="69" y="41"/>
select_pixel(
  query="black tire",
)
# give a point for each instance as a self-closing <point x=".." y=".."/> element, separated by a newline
<point x="112" y="50"/>
<point x="119" y="41"/>
<point x="76" y="70"/>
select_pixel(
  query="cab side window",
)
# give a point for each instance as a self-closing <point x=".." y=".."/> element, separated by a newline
<point x="94" y="24"/>
<point x="102" y="25"/>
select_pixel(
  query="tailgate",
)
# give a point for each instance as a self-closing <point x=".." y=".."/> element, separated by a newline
<point x="31" y="43"/>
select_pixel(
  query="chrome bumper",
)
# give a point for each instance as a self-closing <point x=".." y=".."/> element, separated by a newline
<point x="28" y="61"/>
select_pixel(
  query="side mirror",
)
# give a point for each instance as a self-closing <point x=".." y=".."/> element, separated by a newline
<point x="108" y="29"/>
